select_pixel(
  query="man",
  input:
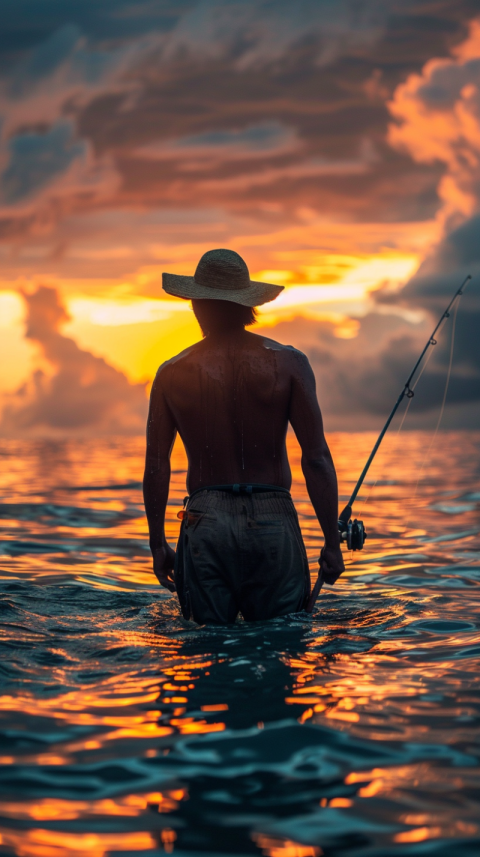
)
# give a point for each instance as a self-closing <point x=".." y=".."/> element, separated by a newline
<point x="231" y="397"/>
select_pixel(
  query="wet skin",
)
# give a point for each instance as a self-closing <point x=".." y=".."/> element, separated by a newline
<point x="231" y="398"/>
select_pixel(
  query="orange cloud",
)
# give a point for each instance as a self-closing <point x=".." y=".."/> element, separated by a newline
<point x="437" y="118"/>
<point x="74" y="390"/>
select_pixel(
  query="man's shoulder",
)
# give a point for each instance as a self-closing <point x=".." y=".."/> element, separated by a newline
<point x="177" y="358"/>
<point x="289" y="351"/>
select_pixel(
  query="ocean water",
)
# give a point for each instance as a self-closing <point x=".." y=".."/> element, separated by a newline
<point x="127" y="731"/>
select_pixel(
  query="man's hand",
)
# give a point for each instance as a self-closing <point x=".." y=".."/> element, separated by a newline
<point x="331" y="564"/>
<point x="163" y="563"/>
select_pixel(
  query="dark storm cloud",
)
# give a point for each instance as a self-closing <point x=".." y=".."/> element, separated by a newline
<point x="461" y="249"/>
<point x="35" y="159"/>
<point x="457" y="256"/>
<point x="437" y="279"/>
<point x="26" y="23"/>
<point x="46" y="57"/>
<point x="80" y="392"/>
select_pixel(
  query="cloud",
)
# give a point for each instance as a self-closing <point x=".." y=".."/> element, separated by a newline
<point x="264" y="138"/>
<point x="257" y="33"/>
<point x="437" y="122"/>
<point x="44" y="60"/>
<point x="35" y="159"/>
<point x="44" y="160"/>
<point x="433" y="285"/>
<point x="437" y="119"/>
<point x="63" y="71"/>
<point x="76" y="392"/>
<point x="266" y="108"/>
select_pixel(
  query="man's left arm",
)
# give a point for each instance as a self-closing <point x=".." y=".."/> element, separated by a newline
<point x="161" y="433"/>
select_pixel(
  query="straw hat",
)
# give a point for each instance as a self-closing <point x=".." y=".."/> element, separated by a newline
<point x="223" y="276"/>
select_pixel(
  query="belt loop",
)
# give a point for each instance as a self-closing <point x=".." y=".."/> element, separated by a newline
<point x="236" y="488"/>
<point x="248" y="489"/>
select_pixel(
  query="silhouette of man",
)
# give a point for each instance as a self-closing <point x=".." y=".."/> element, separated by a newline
<point x="231" y="397"/>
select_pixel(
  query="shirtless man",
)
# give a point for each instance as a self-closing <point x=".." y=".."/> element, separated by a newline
<point x="231" y="397"/>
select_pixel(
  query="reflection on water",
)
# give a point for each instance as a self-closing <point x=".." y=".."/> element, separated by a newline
<point x="126" y="730"/>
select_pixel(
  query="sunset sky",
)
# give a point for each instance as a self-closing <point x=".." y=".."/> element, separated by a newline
<point x="334" y="144"/>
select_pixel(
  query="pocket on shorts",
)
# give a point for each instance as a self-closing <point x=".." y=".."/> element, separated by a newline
<point x="195" y="517"/>
<point x="201" y="534"/>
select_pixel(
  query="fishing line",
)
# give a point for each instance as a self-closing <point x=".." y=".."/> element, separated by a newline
<point x="447" y="382"/>
<point x="413" y="387"/>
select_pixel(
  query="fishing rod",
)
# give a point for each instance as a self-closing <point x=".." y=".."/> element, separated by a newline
<point x="353" y="532"/>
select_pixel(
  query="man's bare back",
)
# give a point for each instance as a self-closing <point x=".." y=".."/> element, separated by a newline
<point x="231" y="397"/>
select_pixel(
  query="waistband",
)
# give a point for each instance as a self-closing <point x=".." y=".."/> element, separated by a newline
<point x="239" y="488"/>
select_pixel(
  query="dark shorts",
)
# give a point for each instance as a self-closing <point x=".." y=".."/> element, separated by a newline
<point x="240" y="553"/>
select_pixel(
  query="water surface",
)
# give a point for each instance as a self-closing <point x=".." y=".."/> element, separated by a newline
<point x="127" y="731"/>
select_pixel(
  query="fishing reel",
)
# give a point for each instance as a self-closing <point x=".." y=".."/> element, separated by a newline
<point x="351" y="532"/>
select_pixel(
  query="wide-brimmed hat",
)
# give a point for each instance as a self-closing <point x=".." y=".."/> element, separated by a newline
<point x="221" y="275"/>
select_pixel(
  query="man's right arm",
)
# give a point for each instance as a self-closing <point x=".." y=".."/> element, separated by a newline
<point x="317" y="464"/>
<point x="161" y="433"/>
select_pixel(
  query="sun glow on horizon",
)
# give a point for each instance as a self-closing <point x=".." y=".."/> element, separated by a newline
<point x="136" y="332"/>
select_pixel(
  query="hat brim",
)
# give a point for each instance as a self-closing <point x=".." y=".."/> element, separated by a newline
<point x="254" y="295"/>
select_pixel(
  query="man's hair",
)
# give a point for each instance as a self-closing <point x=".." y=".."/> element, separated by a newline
<point x="216" y="316"/>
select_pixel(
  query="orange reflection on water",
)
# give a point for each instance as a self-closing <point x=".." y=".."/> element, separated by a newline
<point x="420" y="834"/>
<point x="273" y="847"/>
<point x="49" y="843"/>
<point x="221" y="706"/>
<point x="168" y="837"/>
<point x="347" y="716"/>
<point x="358" y="696"/>
<point x="389" y="781"/>
<point x="71" y="702"/>
<point x="46" y="809"/>
<point x="190" y="726"/>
